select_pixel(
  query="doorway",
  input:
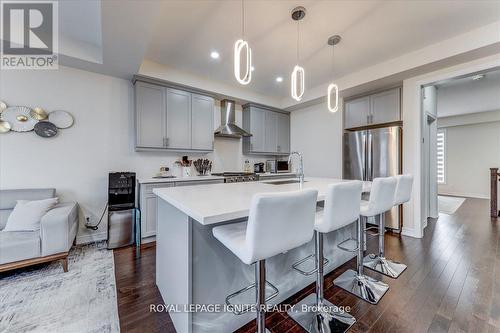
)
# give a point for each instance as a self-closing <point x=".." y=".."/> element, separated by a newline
<point x="461" y="140"/>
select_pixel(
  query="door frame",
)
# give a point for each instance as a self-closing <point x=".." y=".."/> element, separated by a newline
<point x="412" y="127"/>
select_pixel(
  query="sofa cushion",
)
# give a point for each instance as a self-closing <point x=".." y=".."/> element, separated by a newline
<point x="26" y="215"/>
<point x="4" y="216"/>
<point x="19" y="245"/>
<point x="8" y="198"/>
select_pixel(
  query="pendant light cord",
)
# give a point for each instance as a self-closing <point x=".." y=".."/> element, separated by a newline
<point x="298" y="41"/>
<point x="333" y="57"/>
<point x="243" y="19"/>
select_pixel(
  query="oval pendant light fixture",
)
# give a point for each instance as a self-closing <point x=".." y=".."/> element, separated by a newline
<point x="297" y="83"/>
<point x="333" y="90"/>
<point x="241" y="48"/>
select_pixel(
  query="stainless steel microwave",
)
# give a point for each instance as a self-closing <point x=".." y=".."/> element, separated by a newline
<point x="282" y="166"/>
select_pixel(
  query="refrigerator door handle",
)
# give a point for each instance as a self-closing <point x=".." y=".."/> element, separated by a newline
<point x="369" y="159"/>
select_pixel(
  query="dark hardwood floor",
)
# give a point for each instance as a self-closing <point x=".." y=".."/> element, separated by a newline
<point x="452" y="283"/>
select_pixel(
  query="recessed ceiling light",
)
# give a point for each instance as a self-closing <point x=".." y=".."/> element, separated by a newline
<point x="279" y="79"/>
<point x="252" y="68"/>
<point x="214" y="55"/>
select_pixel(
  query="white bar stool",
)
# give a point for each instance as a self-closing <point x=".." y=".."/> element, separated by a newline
<point x="379" y="262"/>
<point x="277" y="222"/>
<point x="363" y="286"/>
<point x="342" y="204"/>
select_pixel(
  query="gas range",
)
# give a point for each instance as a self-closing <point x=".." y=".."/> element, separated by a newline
<point x="238" y="177"/>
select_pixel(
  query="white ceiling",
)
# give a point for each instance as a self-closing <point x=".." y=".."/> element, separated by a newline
<point x="464" y="95"/>
<point x="372" y="31"/>
<point x="181" y="34"/>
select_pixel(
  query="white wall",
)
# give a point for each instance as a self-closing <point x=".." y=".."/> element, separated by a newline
<point x="317" y="133"/>
<point x="78" y="160"/>
<point x="471" y="150"/>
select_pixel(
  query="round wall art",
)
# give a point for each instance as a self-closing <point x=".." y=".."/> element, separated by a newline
<point x="61" y="119"/>
<point x="45" y="129"/>
<point x="19" y="118"/>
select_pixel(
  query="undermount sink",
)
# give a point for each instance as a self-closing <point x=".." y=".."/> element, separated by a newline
<point x="284" y="182"/>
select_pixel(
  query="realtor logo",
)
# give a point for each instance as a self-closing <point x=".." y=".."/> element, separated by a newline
<point x="29" y="35"/>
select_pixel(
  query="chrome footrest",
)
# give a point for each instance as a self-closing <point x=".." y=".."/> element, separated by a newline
<point x="372" y="228"/>
<point x="310" y="272"/>
<point x="243" y="308"/>
<point x="348" y="249"/>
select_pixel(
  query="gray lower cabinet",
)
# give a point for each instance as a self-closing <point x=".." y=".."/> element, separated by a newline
<point x="379" y="108"/>
<point x="147" y="202"/>
<point x="172" y="119"/>
<point x="147" y="206"/>
<point x="270" y="130"/>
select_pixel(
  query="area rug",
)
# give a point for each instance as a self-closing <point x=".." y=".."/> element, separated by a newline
<point x="449" y="205"/>
<point x="45" y="299"/>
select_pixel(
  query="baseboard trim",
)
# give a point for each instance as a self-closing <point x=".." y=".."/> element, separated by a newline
<point x="410" y="232"/>
<point x="466" y="195"/>
<point x="92" y="238"/>
<point x="149" y="239"/>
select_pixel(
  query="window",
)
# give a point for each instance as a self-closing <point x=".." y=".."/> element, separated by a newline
<point x="441" y="156"/>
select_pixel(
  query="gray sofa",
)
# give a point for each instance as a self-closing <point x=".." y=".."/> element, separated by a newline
<point x="53" y="241"/>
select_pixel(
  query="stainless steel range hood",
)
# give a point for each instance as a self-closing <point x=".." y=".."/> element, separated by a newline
<point x="228" y="127"/>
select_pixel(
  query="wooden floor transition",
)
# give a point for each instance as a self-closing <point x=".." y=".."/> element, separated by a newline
<point x="452" y="283"/>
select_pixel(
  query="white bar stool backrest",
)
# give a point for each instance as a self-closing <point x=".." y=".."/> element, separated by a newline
<point x="342" y="204"/>
<point x="279" y="222"/>
<point x="381" y="196"/>
<point x="403" y="189"/>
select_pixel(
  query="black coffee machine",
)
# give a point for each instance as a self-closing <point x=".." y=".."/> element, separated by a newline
<point x="121" y="209"/>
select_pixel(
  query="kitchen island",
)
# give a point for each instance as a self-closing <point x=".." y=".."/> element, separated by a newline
<point x="192" y="267"/>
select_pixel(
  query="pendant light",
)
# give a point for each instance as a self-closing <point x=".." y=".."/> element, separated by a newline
<point x="333" y="90"/>
<point x="298" y="74"/>
<point x="241" y="48"/>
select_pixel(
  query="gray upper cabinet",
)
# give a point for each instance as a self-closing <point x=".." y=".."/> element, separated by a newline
<point x="202" y="122"/>
<point x="254" y="121"/>
<point x="150" y="122"/>
<point x="270" y="131"/>
<point x="385" y="107"/>
<point x="172" y="119"/>
<point x="178" y="119"/>
<point x="379" y="108"/>
<point x="357" y="112"/>
<point x="283" y="129"/>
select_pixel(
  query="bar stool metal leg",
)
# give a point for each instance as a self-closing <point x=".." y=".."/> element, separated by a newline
<point x="260" y="295"/>
<point x="314" y="313"/>
<point x="358" y="284"/>
<point x="379" y="262"/>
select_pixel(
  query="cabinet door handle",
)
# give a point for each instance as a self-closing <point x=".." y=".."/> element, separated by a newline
<point x="251" y="146"/>
<point x="279" y="148"/>
<point x="165" y="142"/>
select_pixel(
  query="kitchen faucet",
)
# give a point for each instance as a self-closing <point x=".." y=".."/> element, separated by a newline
<point x="301" y="166"/>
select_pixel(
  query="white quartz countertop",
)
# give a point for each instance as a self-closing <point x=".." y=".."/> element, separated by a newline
<point x="214" y="203"/>
<point x="178" y="179"/>
<point x="268" y="174"/>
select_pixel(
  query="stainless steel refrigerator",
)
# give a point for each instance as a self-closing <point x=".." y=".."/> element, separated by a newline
<point x="373" y="153"/>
